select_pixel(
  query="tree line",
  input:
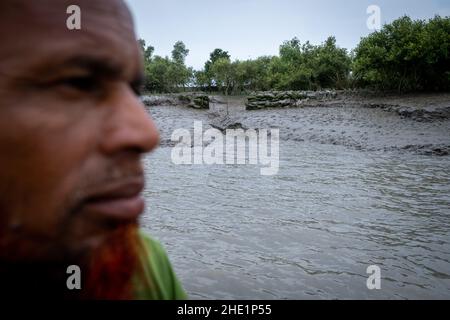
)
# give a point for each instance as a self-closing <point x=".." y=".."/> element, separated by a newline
<point x="405" y="55"/>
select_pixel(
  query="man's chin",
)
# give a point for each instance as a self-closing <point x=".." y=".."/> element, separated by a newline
<point x="94" y="234"/>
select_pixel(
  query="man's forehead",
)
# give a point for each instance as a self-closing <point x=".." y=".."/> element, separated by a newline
<point x="25" y="19"/>
<point x="37" y="29"/>
<point x="53" y="8"/>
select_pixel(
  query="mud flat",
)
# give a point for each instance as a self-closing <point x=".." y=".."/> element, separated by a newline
<point x="193" y="100"/>
<point x="421" y="107"/>
<point x="417" y="123"/>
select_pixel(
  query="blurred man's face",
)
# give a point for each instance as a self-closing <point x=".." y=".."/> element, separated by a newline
<point x="72" y="130"/>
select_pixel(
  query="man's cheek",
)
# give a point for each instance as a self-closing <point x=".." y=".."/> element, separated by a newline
<point x="46" y="153"/>
<point x="42" y="217"/>
<point x="36" y="194"/>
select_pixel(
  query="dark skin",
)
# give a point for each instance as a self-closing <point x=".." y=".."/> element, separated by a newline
<point x="71" y="127"/>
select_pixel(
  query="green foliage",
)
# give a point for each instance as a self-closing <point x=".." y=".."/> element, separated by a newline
<point x="164" y="74"/>
<point x="146" y="51"/>
<point x="298" y="67"/>
<point x="179" y="52"/>
<point x="214" y="56"/>
<point x="202" y="79"/>
<point x="406" y="55"/>
<point x="223" y="73"/>
<point x="310" y="67"/>
<point x="157" y="75"/>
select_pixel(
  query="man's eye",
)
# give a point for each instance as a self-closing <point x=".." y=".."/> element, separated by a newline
<point x="85" y="83"/>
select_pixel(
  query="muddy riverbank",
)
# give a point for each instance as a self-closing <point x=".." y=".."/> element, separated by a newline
<point x="420" y="106"/>
<point x="417" y="124"/>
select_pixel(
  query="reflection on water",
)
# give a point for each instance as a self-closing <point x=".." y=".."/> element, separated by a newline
<point x="310" y="231"/>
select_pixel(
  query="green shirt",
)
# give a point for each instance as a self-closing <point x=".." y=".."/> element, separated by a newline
<point x="157" y="281"/>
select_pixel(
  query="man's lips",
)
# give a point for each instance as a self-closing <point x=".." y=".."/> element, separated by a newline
<point x="120" y="200"/>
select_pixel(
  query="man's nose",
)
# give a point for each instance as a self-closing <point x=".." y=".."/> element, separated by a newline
<point x="127" y="126"/>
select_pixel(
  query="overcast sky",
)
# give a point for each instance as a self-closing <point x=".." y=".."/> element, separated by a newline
<point x="252" y="28"/>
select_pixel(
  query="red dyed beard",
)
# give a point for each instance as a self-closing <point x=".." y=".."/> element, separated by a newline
<point x="110" y="267"/>
<point x="107" y="271"/>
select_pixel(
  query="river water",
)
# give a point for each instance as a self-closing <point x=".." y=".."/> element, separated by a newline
<point x="355" y="188"/>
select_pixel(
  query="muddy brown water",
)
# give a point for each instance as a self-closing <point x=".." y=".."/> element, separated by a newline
<point x="356" y="187"/>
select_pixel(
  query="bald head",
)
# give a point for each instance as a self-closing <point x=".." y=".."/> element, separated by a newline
<point x="30" y="25"/>
<point x="26" y="9"/>
<point x="18" y="16"/>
